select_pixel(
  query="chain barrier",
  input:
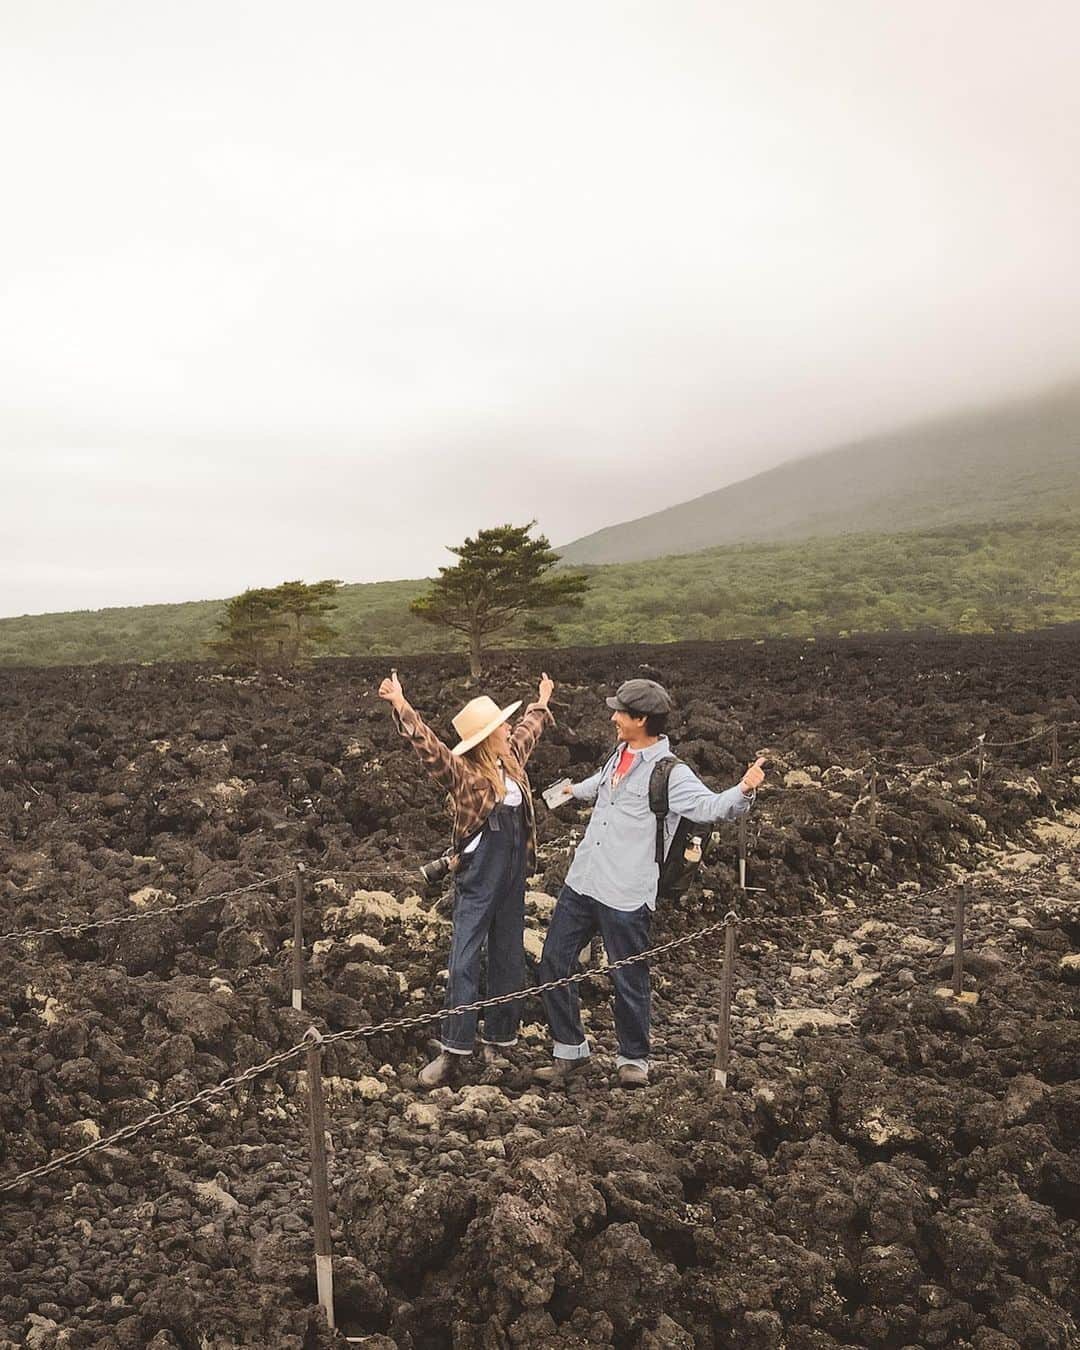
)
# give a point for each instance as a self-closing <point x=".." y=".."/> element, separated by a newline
<point x="877" y="762"/>
<point x="138" y="1126"/>
<point x="423" y="1019"/>
<point x="1024" y="740"/>
<point x="427" y="1019"/>
<point x="351" y="1033"/>
<point x="77" y="929"/>
<point x="921" y="768"/>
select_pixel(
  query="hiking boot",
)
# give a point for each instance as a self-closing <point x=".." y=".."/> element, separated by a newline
<point x="439" y="1073"/>
<point x="494" y="1056"/>
<point x="558" y="1071"/>
<point x="630" y="1076"/>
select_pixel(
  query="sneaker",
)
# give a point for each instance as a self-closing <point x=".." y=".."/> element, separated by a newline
<point x="558" y="1071"/>
<point x="494" y="1056"/>
<point x="441" y="1071"/>
<point x="630" y="1076"/>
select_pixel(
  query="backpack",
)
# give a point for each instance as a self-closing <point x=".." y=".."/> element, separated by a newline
<point x="691" y="844"/>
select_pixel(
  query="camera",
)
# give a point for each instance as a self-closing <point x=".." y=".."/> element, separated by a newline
<point x="439" y="868"/>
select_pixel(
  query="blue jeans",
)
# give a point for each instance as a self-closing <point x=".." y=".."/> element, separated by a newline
<point x="625" y="933"/>
<point x="489" y="908"/>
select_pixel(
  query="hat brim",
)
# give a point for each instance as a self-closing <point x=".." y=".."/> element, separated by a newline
<point x="616" y="704"/>
<point x="479" y="736"/>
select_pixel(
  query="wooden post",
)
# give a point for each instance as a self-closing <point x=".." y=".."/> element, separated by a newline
<point x="982" y="761"/>
<point x="298" y="942"/>
<point x="1055" y="762"/>
<point x="723" y="1031"/>
<point x="958" y="944"/>
<point x="320" y="1192"/>
<point x="872" y="810"/>
<point x="742" y="828"/>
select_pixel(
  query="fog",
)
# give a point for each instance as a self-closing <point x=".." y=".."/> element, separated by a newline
<point x="306" y="291"/>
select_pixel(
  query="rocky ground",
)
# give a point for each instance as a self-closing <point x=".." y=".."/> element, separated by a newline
<point x="890" y="1167"/>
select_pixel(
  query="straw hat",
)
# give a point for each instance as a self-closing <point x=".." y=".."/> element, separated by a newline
<point x="478" y="719"/>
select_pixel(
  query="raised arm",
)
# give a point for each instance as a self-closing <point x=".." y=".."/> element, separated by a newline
<point x="531" y="726"/>
<point x="443" y="766"/>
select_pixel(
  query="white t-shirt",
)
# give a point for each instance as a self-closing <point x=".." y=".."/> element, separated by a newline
<point x="512" y="798"/>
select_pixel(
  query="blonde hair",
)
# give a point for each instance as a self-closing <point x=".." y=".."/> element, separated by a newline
<point x="487" y="763"/>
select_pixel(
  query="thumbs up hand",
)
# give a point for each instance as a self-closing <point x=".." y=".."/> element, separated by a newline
<point x="391" y="690"/>
<point x="753" y="778"/>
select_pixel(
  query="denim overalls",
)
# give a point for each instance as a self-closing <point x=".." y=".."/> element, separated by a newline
<point x="489" y="906"/>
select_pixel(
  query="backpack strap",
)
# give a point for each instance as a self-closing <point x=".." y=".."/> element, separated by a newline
<point x="612" y="757"/>
<point x="658" y="799"/>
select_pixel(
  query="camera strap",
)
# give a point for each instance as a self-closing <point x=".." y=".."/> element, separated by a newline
<point x="460" y="845"/>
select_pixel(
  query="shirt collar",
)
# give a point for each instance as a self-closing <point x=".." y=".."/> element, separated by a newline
<point x="651" y="752"/>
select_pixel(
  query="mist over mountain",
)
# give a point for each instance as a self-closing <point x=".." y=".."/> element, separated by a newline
<point x="1017" y="461"/>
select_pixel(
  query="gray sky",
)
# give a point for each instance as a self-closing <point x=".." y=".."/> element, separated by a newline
<point x="314" y="289"/>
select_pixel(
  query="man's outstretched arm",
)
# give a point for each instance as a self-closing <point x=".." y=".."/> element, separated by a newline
<point x="688" y="795"/>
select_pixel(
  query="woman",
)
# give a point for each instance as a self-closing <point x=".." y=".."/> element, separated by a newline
<point x="495" y="840"/>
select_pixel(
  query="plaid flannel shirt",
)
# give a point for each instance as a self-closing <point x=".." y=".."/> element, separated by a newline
<point x="472" y="796"/>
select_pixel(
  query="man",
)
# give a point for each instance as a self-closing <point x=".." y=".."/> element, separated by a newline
<point x="612" y="882"/>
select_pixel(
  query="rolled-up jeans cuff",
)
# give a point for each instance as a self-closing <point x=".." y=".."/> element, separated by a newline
<point x="486" y="1040"/>
<point x="456" y="1049"/>
<point x="561" y="1051"/>
<point x="642" y="1064"/>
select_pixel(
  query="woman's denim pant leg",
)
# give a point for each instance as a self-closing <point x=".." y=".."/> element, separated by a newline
<point x="489" y="908"/>
<point x="625" y="933"/>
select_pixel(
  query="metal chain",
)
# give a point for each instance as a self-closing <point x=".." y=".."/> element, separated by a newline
<point x="137" y="1127"/>
<point x="425" y="1019"/>
<point x="422" y="1019"/>
<point x="77" y="929"/>
<point x="1035" y="735"/>
<point x="406" y="1023"/>
<point x="877" y="762"/>
<point x="353" y="1033"/>
<point x="1062" y="729"/>
<point x="934" y="764"/>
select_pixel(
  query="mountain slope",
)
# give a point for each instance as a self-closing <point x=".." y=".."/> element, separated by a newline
<point x="964" y="578"/>
<point x="1017" y="461"/>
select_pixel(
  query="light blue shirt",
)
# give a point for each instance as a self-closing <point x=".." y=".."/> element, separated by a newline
<point x="616" y="861"/>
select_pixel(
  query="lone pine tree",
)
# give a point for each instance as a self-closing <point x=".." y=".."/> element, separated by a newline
<point x="501" y="581"/>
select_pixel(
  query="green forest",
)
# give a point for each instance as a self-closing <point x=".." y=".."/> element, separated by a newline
<point x="966" y="578"/>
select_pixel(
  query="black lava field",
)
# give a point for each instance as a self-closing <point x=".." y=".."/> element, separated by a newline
<point x="889" y="1167"/>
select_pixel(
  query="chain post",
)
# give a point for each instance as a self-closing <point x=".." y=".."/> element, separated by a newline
<point x="958" y="943"/>
<point x="982" y="762"/>
<point x="743" y="832"/>
<point x="298" y="942"/>
<point x="872" y="811"/>
<point x="320" y="1191"/>
<point x="1055" y="762"/>
<point x="723" y="1031"/>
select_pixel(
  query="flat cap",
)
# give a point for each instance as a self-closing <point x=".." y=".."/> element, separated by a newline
<point x="640" y="697"/>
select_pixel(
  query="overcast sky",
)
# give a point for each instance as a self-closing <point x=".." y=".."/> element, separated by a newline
<point x="306" y="290"/>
